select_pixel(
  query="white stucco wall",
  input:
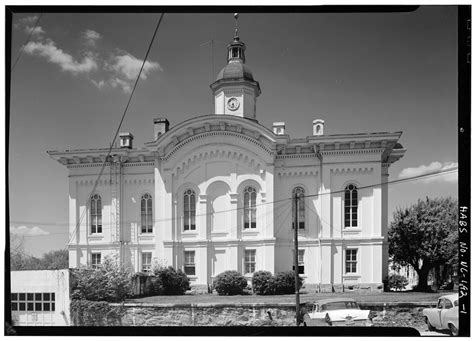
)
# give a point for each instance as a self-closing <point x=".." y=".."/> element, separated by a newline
<point x="39" y="282"/>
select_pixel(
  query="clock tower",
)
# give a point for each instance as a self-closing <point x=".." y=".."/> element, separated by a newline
<point x="235" y="91"/>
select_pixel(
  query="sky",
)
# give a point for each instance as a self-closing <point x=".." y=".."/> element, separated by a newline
<point x="359" y="72"/>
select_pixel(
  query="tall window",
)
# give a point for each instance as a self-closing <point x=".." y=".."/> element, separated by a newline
<point x="189" y="210"/>
<point x="249" y="262"/>
<point x="147" y="214"/>
<point x="350" y="206"/>
<point x="96" y="214"/>
<point x="250" y="211"/>
<point x="189" y="263"/>
<point x="301" y="207"/>
<point x="95" y="260"/>
<point x="351" y="261"/>
<point x="146" y="261"/>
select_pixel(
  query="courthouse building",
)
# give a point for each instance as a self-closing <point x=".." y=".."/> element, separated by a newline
<point x="213" y="193"/>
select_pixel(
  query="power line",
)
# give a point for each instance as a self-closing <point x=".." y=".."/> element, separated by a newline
<point x="418" y="177"/>
<point x="120" y="124"/>
<point x="27" y="41"/>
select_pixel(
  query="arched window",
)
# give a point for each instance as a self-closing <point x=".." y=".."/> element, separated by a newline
<point x="189" y="210"/>
<point x="301" y="207"/>
<point x="147" y="214"/>
<point x="350" y="206"/>
<point x="250" y="211"/>
<point x="96" y="214"/>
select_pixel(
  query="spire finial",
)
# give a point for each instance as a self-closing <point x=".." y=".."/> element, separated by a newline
<point x="236" y="34"/>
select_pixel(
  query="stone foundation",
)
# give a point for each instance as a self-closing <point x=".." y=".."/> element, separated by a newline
<point x="146" y="314"/>
<point x="143" y="315"/>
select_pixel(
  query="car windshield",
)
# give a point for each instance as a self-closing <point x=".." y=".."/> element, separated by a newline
<point x="339" y="305"/>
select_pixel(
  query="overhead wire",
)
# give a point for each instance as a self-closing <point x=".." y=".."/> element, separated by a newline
<point x="119" y="125"/>
<point x="408" y="179"/>
<point x="26" y="42"/>
<point x="424" y="176"/>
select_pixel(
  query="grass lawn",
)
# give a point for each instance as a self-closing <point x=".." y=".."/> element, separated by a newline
<point x="361" y="297"/>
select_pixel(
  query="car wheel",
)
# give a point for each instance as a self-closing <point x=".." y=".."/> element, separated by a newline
<point x="430" y="327"/>
<point x="453" y="330"/>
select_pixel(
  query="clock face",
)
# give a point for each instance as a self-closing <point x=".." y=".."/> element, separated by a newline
<point x="233" y="104"/>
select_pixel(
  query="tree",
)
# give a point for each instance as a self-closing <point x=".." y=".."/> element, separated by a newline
<point x="422" y="236"/>
<point x="53" y="260"/>
<point x="20" y="260"/>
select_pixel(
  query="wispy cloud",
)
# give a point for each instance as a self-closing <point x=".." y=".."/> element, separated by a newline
<point x="28" y="231"/>
<point x="432" y="167"/>
<point x="91" y="37"/>
<point x="99" y="84"/>
<point x="115" y="69"/>
<point x="28" y="25"/>
<point x="27" y="21"/>
<point x="128" y="66"/>
<point x="120" y="83"/>
<point x="55" y="55"/>
<point x="125" y="68"/>
<point x="36" y="31"/>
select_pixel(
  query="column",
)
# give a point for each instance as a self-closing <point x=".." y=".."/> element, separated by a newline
<point x="325" y="197"/>
<point x="201" y="217"/>
<point x="268" y="178"/>
<point x="384" y="220"/>
<point x="233" y="214"/>
<point x="163" y="212"/>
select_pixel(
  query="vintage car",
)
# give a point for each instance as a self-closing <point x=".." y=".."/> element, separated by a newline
<point x="337" y="312"/>
<point x="445" y="316"/>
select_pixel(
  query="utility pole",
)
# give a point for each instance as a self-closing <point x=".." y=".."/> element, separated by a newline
<point x="297" y="290"/>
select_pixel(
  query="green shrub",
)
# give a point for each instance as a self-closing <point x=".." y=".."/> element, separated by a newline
<point x="156" y="286"/>
<point x="284" y="283"/>
<point x="263" y="283"/>
<point x="397" y="282"/>
<point x="170" y="282"/>
<point x="230" y="283"/>
<point x="106" y="283"/>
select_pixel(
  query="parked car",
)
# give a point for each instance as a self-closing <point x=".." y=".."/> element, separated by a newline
<point x="445" y="316"/>
<point x="337" y="312"/>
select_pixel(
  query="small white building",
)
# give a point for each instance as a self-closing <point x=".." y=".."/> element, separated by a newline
<point x="40" y="298"/>
<point x="213" y="193"/>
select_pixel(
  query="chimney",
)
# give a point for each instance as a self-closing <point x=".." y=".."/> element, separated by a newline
<point x="279" y="128"/>
<point x="318" y="127"/>
<point x="161" y="126"/>
<point x="126" y="140"/>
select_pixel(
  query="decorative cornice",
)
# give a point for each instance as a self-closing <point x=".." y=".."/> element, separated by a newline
<point x="296" y="156"/>
<point x="205" y="134"/>
<point x="352" y="151"/>
<point x="103" y="182"/>
<point x="138" y="164"/>
<point x="352" y="170"/>
<point x="108" y="164"/>
<point x="297" y="173"/>
<point x="220" y="153"/>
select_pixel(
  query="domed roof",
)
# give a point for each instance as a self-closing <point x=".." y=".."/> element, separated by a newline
<point x="235" y="70"/>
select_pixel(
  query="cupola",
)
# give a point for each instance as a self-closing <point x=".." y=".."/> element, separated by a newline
<point x="235" y="90"/>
